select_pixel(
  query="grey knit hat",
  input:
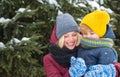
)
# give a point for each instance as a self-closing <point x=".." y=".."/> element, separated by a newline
<point x="65" y="23"/>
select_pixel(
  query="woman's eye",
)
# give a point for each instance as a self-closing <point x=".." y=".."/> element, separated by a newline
<point x="75" y="34"/>
<point x="65" y="36"/>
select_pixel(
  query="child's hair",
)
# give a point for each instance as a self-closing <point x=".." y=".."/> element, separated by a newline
<point x="85" y="27"/>
<point x="61" y="41"/>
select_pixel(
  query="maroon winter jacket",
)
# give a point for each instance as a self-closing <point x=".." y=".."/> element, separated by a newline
<point x="117" y="66"/>
<point x="52" y="68"/>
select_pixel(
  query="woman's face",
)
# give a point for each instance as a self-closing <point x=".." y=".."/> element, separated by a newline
<point x="70" y="40"/>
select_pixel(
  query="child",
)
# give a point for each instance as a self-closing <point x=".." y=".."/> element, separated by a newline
<point x="93" y="26"/>
<point x="96" y="48"/>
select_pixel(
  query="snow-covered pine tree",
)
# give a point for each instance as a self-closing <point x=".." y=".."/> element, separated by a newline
<point x="25" y="28"/>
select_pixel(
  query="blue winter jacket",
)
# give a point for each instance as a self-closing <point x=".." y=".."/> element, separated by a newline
<point x="99" y="55"/>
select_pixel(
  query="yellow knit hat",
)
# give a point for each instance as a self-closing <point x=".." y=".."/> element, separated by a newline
<point x="97" y="21"/>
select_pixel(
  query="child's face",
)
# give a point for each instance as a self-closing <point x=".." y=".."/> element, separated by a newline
<point x="88" y="33"/>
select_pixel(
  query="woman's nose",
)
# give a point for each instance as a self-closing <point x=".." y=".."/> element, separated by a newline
<point x="71" y="39"/>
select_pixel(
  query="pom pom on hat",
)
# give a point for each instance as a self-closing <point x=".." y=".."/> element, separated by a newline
<point x="97" y="21"/>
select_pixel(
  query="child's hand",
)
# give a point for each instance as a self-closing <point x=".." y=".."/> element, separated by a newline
<point x="101" y="71"/>
<point x="77" y="68"/>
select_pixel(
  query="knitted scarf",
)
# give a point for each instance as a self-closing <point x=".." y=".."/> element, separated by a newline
<point x="62" y="55"/>
<point x="91" y="43"/>
<point x="101" y="43"/>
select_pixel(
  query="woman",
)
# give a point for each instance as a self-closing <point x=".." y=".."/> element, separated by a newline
<point x="57" y="62"/>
